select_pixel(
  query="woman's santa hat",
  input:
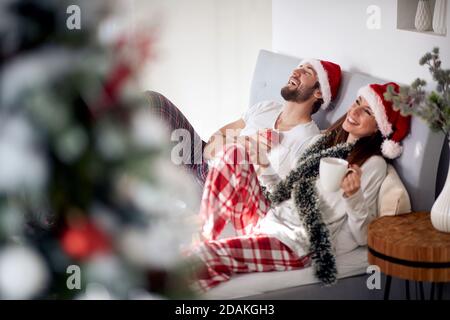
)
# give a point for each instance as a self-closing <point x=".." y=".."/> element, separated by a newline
<point x="329" y="75"/>
<point x="393" y="126"/>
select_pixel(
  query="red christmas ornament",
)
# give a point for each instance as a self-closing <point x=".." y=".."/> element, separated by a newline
<point x="139" y="46"/>
<point x="83" y="240"/>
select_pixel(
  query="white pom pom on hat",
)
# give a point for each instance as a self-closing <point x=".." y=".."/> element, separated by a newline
<point x="391" y="149"/>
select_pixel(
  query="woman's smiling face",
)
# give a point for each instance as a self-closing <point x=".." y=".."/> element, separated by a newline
<point x="360" y="121"/>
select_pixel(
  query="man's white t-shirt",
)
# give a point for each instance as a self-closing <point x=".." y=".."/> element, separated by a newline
<point x="282" y="157"/>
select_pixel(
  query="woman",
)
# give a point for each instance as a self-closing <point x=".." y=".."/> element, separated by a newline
<point x="295" y="222"/>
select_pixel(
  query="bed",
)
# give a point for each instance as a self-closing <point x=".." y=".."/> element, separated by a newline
<point x="417" y="167"/>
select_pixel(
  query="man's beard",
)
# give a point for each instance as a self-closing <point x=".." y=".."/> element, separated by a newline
<point x="297" y="95"/>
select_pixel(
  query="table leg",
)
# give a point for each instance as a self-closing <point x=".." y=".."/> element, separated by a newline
<point x="422" y="295"/>
<point x="407" y="290"/>
<point x="387" y="287"/>
<point x="440" y="287"/>
<point x="432" y="291"/>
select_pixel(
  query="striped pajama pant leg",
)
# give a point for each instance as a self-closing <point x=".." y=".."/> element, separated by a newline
<point x="166" y="111"/>
<point x="232" y="194"/>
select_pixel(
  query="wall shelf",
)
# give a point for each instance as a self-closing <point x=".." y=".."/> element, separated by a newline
<point x="430" y="32"/>
<point x="406" y="14"/>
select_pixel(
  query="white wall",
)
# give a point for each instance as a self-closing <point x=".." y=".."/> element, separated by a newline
<point x="207" y="50"/>
<point x="337" y="31"/>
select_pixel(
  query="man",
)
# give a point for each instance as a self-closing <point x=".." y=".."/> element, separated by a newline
<point x="312" y="85"/>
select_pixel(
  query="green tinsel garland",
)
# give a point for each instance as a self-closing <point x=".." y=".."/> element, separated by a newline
<point x="300" y="185"/>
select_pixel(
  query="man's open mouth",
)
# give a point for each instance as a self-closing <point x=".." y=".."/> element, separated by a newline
<point x="293" y="82"/>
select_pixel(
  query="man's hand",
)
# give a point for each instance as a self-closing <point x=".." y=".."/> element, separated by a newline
<point x="219" y="140"/>
<point x="229" y="132"/>
<point x="259" y="146"/>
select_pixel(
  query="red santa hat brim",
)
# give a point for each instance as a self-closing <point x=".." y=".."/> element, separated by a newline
<point x="377" y="106"/>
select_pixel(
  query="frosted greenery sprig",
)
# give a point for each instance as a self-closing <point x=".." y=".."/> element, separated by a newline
<point x="433" y="107"/>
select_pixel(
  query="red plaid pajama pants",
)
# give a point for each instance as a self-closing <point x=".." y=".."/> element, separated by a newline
<point x="233" y="194"/>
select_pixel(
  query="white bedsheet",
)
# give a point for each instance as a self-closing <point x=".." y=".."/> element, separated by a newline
<point x="242" y="285"/>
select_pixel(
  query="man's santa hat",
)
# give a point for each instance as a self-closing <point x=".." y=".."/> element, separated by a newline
<point x="329" y="75"/>
<point x="393" y="126"/>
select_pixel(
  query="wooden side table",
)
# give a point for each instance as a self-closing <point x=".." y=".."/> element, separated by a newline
<point x="408" y="247"/>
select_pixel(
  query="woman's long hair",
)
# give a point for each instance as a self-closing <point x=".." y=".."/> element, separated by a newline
<point x="364" y="147"/>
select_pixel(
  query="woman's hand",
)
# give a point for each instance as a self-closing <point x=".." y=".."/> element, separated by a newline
<point x="352" y="181"/>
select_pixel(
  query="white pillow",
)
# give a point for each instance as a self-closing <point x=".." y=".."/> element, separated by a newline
<point x="393" y="199"/>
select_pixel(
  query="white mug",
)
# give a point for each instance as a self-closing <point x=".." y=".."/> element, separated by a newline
<point x="331" y="172"/>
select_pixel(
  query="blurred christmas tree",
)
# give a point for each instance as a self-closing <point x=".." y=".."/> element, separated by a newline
<point x="87" y="187"/>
